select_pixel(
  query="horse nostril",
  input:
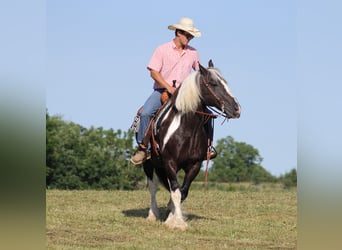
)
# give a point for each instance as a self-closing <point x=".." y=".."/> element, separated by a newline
<point x="237" y="111"/>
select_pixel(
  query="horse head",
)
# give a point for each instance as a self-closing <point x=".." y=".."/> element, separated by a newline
<point x="216" y="93"/>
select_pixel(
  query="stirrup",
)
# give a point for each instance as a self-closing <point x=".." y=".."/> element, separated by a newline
<point x="142" y="147"/>
<point x="212" y="152"/>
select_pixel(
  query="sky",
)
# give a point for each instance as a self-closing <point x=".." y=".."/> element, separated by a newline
<point x="97" y="52"/>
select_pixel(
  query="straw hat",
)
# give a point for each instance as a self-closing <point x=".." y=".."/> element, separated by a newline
<point x="187" y="25"/>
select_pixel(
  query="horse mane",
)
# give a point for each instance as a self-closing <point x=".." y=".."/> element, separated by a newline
<point x="189" y="94"/>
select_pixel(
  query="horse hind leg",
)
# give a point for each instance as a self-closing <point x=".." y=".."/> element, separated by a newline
<point x="153" y="213"/>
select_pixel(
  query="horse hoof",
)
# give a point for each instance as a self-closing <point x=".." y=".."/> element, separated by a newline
<point x="177" y="224"/>
<point x="152" y="217"/>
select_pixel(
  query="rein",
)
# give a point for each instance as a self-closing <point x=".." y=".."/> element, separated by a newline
<point x="206" y="115"/>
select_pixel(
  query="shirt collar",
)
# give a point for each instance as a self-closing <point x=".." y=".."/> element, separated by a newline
<point x="175" y="47"/>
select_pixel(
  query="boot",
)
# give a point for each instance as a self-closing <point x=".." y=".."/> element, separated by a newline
<point x="141" y="155"/>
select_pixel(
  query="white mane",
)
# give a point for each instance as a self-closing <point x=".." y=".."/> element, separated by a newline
<point x="189" y="94"/>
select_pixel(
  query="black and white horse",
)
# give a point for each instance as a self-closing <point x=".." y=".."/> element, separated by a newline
<point x="182" y="138"/>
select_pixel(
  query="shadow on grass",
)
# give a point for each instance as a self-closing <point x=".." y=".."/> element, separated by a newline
<point x="143" y="212"/>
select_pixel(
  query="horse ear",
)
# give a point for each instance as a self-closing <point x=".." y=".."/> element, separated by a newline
<point x="202" y="69"/>
<point x="211" y="64"/>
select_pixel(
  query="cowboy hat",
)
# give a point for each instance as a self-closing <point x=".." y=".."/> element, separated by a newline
<point x="187" y="25"/>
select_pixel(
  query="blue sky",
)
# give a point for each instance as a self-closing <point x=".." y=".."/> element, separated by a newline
<point x="97" y="52"/>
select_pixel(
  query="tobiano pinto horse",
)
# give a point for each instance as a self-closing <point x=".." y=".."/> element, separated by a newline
<point x="182" y="140"/>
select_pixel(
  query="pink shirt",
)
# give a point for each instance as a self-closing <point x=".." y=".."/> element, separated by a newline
<point x="171" y="64"/>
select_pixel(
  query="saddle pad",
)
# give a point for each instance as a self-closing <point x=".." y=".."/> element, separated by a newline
<point x="135" y="125"/>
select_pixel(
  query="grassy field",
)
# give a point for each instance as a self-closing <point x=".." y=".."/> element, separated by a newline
<point x="247" y="218"/>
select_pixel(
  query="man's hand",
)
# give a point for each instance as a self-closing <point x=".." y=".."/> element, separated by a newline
<point x="160" y="80"/>
<point x="171" y="90"/>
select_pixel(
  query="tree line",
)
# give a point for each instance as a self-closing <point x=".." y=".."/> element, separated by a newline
<point x="94" y="158"/>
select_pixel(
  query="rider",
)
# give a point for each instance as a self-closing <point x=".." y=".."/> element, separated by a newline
<point x="169" y="65"/>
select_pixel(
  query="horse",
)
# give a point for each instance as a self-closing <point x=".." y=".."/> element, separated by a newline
<point x="182" y="139"/>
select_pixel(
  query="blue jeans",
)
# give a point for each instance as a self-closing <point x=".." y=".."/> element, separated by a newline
<point x="150" y="107"/>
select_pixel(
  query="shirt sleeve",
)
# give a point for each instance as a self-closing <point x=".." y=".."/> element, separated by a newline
<point x="156" y="61"/>
<point x="195" y="66"/>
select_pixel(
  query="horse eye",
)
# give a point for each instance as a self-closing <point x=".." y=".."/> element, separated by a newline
<point x="213" y="83"/>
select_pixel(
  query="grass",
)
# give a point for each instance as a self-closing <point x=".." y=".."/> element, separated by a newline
<point x="262" y="218"/>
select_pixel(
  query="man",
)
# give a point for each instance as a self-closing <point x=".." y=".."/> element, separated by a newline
<point x="169" y="65"/>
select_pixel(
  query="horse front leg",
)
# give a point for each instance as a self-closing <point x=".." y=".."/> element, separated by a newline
<point x="175" y="219"/>
<point x="190" y="175"/>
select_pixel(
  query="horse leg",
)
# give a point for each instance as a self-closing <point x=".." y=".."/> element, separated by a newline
<point x="190" y="175"/>
<point x="175" y="219"/>
<point x="153" y="213"/>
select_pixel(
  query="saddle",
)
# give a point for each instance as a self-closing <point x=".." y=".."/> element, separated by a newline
<point x="152" y="130"/>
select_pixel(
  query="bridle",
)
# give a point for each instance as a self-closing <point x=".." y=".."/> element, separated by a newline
<point x="205" y="81"/>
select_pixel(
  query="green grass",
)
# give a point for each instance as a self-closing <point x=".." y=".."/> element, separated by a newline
<point x="259" y="218"/>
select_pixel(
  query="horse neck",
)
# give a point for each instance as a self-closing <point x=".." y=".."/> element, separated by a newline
<point x="199" y="115"/>
<point x="201" y="107"/>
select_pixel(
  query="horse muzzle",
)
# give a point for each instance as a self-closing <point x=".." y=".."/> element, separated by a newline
<point x="237" y="111"/>
<point x="234" y="111"/>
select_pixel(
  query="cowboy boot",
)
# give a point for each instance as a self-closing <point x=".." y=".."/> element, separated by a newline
<point x="141" y="155"/>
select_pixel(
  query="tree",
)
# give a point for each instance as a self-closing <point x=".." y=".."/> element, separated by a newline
<point x="237" y="162"/>
<point x="79" y="158"/>
<point x="289" y="179"/>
